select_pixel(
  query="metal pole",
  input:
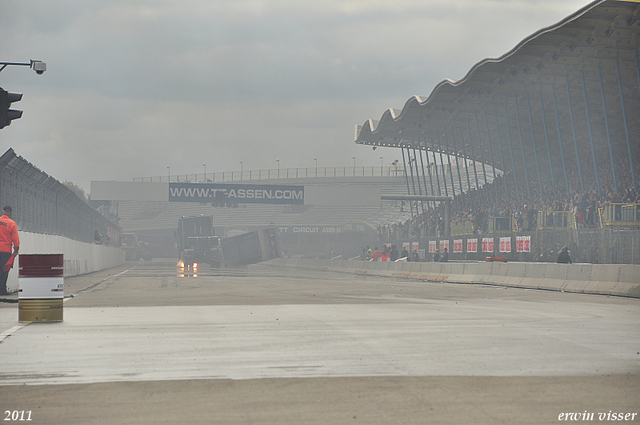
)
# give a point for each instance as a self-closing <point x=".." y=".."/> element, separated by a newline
<point x="573" y="130"/>
<point x="513" y="160"/>
<point x="593" y="151"/>
<point x="564" y="166"/>
<point x="504" y="165"/>
<point x="535" y="149"/>
<point x="493" y="167"/>
<point x="524" y="159"/>
<point x="473" y="158"/>
<point x="424" y="178"/>
<point x="546" y="138"/>
<point x="466" y="167"/>
<point x="444" y="177"/>
<point x="415" y="159"/>
<point x="455" y="150"/>
<point x="626" y="128"/>
<point x="404" y="161"/>
<point x="453" y="186"/>
<point x="606" y="126"/>
<point x="638" y="68"/>
<point x="436" y="168"/>
<point x="484" y="169"/>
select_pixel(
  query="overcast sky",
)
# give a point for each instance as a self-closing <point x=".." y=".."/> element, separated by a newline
<point x="133" y="87"/>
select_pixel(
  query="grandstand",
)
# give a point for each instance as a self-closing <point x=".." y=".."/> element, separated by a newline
<point x="559" y="114"/>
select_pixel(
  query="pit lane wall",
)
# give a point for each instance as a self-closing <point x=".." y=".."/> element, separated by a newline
<point x="79" y="257"/>
<point x="601" y="279"/>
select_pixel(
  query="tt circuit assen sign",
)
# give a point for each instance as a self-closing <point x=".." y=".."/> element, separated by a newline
<point x="240" y="193"/>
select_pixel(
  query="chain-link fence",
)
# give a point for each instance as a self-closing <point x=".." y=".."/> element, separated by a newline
<point x="41" y="204"/>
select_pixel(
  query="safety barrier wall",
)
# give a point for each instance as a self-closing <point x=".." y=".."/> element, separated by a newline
<point x="602" y="279"/>
<point x="79" y="257"/>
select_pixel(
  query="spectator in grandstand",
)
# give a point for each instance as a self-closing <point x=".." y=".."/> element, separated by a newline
<point x="563" y="256"/>
<point x="9" y="241"/>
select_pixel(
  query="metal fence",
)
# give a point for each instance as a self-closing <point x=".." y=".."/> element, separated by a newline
<point x="41" y="204"/>
<point x="289" y="173"/>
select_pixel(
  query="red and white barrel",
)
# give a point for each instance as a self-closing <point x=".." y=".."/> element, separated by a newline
<point x="40" y="287"/>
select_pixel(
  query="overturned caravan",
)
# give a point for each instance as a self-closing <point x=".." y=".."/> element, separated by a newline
<point x="198" y="244"/>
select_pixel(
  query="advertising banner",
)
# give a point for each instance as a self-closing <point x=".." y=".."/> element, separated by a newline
<point x="432" y="246"/>
<point x="472" y="245"/>
<point x="457" y="245"/>
<point x="487" y="244"/>
<point x="236" y="193"/>
<point x="444" y="245"/>
<point x="523" y="243"/>
<point x="505" y="244"/>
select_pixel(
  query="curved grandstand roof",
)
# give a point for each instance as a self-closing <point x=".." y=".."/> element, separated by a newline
<point x="567" y="96"/>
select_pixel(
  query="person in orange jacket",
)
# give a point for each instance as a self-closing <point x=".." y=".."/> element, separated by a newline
<point x="9" y="243"/>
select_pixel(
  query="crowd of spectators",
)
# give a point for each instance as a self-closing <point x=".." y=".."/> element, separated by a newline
<point x="500" y="199"/>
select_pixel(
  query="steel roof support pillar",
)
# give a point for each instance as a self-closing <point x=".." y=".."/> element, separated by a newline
<point x="453" y="186"/>
<point x="475" y="169"/>
<point x="573" y="130"/>
<point x="404" y="161"/>
<point x="453" y="138"/>
<point x="513" y="160"/>
<point x="593" y="151"/>
<point x="444" y="176"/>
<point x="524" y="158"/>
<point x="546" y="138"/>
<point x="606" y="126"/>
<point x="564" y="166"/>
<point x="493" y="166"/>
<point x="504" y="166"/>
<point x="535" y="148"/>
<point x="484" y="169"/>
<point x="626" y="128"/>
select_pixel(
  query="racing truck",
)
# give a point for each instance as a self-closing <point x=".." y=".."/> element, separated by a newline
<point x="197" y="242"/>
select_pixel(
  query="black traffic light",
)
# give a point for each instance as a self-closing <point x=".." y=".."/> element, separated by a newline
<point x="6" y="114"/>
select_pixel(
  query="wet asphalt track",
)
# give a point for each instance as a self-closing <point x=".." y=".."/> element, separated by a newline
<point x="149" y="326"/>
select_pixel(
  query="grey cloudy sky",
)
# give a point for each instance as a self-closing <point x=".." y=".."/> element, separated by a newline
<point x="136" y="86"/>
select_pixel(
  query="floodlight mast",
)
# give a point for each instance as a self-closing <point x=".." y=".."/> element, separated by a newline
<point x="38" y="66"/>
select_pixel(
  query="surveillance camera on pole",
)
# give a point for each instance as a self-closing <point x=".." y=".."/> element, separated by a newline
<point x="39" y="67"/>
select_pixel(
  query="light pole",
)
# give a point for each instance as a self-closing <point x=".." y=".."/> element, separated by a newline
<point x="278" y="161"/>
<point x="316" y="160"/>
<point x="169" y="174"/>
<point x="241" y="170"/>
<point x="205" y="172"/>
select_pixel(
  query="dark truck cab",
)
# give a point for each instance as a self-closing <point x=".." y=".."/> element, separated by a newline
<point x="197" y="242"/>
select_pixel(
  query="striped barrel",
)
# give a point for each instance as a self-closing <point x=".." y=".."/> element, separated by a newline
<point x="41" y="287"/>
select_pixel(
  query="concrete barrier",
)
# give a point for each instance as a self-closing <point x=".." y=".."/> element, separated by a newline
<point x="601" y="279"/>
<point x="79" y="257"/>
